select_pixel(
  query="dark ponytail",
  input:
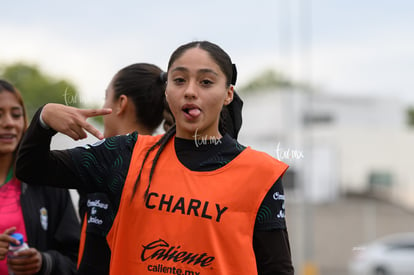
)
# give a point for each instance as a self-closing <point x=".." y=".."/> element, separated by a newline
<point x="231" y="117"/>
<point x="144" y="84"/>
<point x="162" y="142"/>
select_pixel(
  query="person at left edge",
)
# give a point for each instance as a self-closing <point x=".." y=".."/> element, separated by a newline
<point x="44" y="215"/>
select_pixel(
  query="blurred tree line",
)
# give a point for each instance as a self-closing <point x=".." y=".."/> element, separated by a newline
<point x="38" y="88"/>
<point x="410" y="115"/>
<point x="265" y="80"/>
<point x="271" y="79"/>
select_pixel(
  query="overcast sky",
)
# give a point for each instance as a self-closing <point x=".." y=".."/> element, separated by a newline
<point x="349" y="47"/>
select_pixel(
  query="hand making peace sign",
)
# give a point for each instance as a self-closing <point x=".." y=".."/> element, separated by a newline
<point x="71" y="121"/>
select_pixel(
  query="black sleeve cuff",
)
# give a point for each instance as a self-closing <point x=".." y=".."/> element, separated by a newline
<point x="47" y="263"/>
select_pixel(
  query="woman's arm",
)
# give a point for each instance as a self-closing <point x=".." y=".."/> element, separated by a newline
<point x="36" y="163"/>
<point x="270" y="238"/>
<point x="272" y="250"/>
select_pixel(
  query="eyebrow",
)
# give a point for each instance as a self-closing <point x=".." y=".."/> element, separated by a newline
<point x="13" y="108"/>
<point x="184" y="69"/>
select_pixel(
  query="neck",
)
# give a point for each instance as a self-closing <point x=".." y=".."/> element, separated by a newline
<point x="6" y="162"/>
<point x="144" y="131"/>
<point x="199" y="135"/>
<point x="132" y="127"/>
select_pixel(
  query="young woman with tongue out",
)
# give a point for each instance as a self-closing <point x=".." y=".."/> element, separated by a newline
<point x="204" y="207"/>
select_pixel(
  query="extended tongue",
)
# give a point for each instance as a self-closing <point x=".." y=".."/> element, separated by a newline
<point x="194" y="112"/>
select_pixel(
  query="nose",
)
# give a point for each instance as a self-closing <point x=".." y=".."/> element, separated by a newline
<point x="191" y="90"/>
<point x="6" y="120"/>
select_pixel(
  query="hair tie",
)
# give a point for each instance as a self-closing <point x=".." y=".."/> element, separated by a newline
<point x="234" y="75"/>
<point x="163" y="77"/>
<point x="231" y="117"/>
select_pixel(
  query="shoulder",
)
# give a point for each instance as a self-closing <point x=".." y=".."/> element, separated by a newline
<point x="146" y="141"/>
<point x="149" y="138"/>
<point x="108" y="146"/>
<point x="115" y="142"/>
<point x="264" y="158"/>
<point x="260" y="165"/>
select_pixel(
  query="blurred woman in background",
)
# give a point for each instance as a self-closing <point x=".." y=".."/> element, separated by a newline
<point x="44" y="215"/>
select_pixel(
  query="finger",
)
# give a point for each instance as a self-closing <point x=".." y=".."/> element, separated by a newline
<point x="28" y="262"/>
<point x="75" y="130"/>
<point x="95" y="132"/>
<point x="10" y="230"/>
<point x="3" y="253"/>
<point x="96" y="112"/>
<point x="78" y="131"/>
<point x="72" y="134"/>
<point x="25" y="255"/>
<point x="27" y="271"/>
<point x="30" y="268"/>
<point x="5" y="238"/>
